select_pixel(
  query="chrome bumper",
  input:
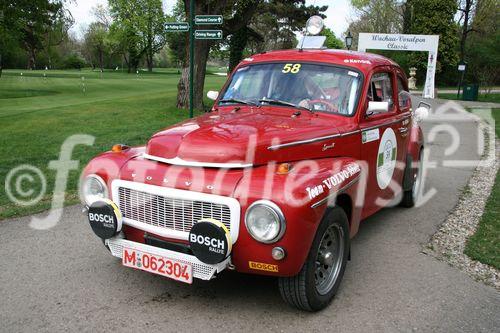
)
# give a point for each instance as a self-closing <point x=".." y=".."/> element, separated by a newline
<point x="200" y="270"/>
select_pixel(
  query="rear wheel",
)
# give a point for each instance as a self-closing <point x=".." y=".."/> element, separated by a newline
<point x="319" y="279"/>
<point x="410" y="196"/>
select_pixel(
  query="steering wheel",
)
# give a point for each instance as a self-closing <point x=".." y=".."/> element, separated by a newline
<point x="327" y="105"/>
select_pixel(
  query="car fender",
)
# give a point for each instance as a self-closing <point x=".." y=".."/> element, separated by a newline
<point x="303" y="195"/>
<point x="108" y="165"/>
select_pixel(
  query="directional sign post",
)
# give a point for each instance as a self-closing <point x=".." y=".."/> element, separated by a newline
<point x="208" y="34"/>
<point x="195" y="34"/>
<point x="177" y="27"/>
<point x="191" y="58"/>
<point x="208" y="19"/>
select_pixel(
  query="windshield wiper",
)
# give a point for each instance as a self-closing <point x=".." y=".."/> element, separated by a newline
<point x="279" y="102"/>
<point x="238" y="101"/>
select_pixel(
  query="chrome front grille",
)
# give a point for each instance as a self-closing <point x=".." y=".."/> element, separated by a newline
<point x="171" y="213"/>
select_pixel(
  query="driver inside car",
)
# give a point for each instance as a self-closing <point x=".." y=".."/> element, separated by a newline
<point x="302" y="90"/>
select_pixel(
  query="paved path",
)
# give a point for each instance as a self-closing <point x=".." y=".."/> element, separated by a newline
<point x="64" y="279"/>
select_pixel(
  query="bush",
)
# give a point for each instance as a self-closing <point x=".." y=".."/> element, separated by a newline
<point x="74" y="61"/>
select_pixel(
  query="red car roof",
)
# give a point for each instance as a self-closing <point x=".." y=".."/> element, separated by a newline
<point x="360" y="60"/>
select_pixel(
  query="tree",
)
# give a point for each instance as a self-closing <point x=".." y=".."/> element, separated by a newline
<point x="466" y="7"/>
<point x="331" y="42"/>
<point x="436" y="18"/>
<point x="177" y="41"/>
<point x="57" y="32"/>
<point x="277" y="21"/>
<point x="384" y="16"/>
<point x="239" y="38"/>
<point x="484" y="66"/>
<point x="35" y="25"/>
<point x="140" y="25"/>
<point x="9" y="28"/>
<point x="37" y="18"/>
<point x="154" y="24"/>
<point x="96" y="41"/>
<point x="484" y="62"/>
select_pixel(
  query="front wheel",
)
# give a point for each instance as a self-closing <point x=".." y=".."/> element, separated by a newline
<point x="319" y="279"/>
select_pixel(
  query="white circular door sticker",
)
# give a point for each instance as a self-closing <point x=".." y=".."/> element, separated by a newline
<point x="386" y="158"/>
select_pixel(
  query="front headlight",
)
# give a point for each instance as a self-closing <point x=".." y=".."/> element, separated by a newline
<point x="93" y="188"/>
<point x="265" y="221"/>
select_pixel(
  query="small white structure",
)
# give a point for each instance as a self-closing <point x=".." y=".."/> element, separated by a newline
<point x="402" y="42"/>
<point x="412" y="81"/>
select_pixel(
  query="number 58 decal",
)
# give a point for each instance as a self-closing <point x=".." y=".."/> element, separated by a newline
<point x="291" y="68"/>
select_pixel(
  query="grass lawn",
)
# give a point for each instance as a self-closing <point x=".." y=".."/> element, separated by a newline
<point x="492" y="97"/>
<point x="484" y="245"/>
<point x="38" y="113"/>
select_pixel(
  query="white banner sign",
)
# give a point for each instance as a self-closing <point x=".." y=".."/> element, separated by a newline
<point x="400" y="42"/>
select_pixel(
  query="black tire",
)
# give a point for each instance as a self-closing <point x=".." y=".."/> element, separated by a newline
<point x="410" y="196"/>
<point x="301" y="290"/>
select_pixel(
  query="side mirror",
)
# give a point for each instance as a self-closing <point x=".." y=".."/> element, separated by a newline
<point x="375" y="107"/>
<point x="212" y="94"/>
<point x="421" y="113"/>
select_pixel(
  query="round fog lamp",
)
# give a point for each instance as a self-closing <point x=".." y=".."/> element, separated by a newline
<point x="278" y="253"/>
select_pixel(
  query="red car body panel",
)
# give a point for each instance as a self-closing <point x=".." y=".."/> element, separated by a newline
<point x="224" y="135"/>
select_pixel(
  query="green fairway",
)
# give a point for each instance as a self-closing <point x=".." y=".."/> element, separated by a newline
<point x="37" y="113"/>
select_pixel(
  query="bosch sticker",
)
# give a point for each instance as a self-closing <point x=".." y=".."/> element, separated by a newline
<point x="263" y="266"/>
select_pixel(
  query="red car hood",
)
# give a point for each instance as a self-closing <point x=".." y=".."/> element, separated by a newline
<point x="240" y="137"/>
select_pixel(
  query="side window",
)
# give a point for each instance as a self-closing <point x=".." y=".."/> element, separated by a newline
<point x="381" y="89"/>
<point x="404" y="96"/>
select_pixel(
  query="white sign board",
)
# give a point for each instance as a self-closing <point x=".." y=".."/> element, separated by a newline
<point x="401" y="42"/>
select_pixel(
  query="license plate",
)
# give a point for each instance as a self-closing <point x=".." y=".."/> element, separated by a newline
<point x="158" y="265"/>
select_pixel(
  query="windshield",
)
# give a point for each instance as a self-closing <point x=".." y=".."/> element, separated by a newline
<point x="316" y="87"/>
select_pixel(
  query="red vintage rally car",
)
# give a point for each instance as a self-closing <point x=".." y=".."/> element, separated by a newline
<point x="299" y="147"/>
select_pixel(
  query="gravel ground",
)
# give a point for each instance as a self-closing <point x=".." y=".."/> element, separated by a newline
<point x="448" y="243"/>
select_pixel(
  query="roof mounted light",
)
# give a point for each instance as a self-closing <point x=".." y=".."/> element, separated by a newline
<point x="310" y="40"/>
<point x="314" y="25"/>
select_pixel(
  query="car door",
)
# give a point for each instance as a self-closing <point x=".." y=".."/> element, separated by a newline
<point x="403" y="125"/>
<point x="380" y="141"/>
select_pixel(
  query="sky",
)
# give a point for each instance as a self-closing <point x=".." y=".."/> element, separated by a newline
<point x="337" y="16"/>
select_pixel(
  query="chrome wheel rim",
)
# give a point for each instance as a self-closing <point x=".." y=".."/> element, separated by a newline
<point x="417" y="180"/>
<point x="329" y="259"/>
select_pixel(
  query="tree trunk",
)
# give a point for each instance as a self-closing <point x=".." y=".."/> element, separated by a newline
<point x="101" y="60"/>
<point x="465" y="28"/>
<point x="407" y="16"/>
<point x="149" y="60"/>
<point x="31" y="59"/>
<point x="237" y="46"/>
<point x="201" y="51"/>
